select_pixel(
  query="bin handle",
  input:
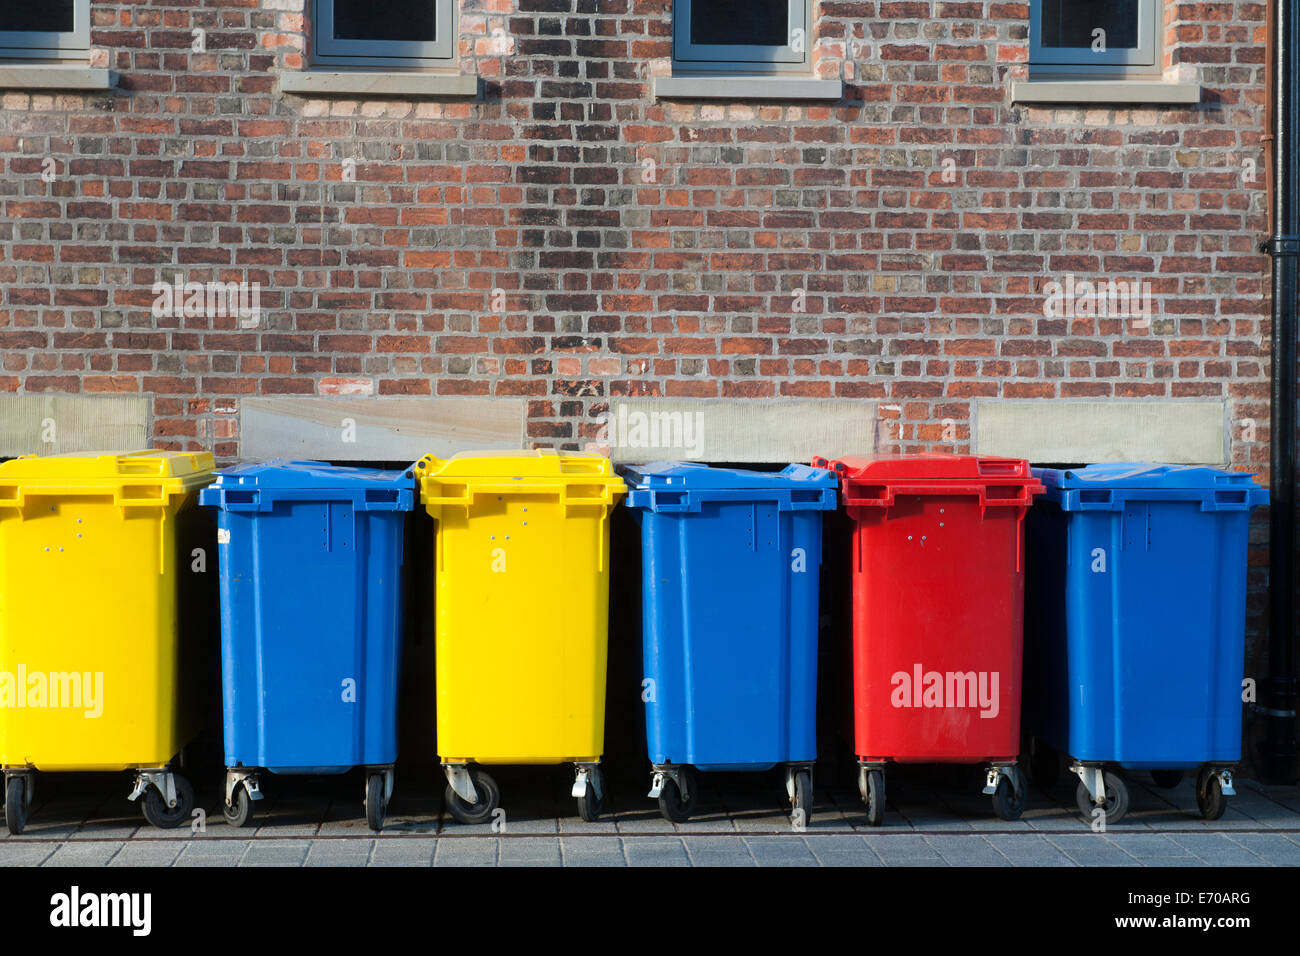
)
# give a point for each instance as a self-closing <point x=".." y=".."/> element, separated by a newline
<point x="1024" y="496"/>
<point x="560" y="491"/>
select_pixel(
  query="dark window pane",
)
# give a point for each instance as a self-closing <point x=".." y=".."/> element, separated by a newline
<point x="411" y="20"/>
<point x="740" y="22"/>
<point x="40" y="16"/>
<point x="1069" y="23"/>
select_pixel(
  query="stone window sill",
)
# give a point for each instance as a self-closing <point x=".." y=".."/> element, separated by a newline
<point x="716" y="87"/>
<point x="378" y="84"/>
<point x="1085" y="92"/>
<point x="54" y="76"/>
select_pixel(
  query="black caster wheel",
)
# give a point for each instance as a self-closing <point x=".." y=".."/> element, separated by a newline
<point x="874" y="797"/>
<point x="591" y="806"/>
<point x="376" y="804"/>
<point x="1209" y="795"/>
<point x="803" y="795"/>
<point x="1166" y="779"/>
<point x="489" y="798"/>
<point x="1009" y="800"/>
<point x="15" y="805"/>
<point x="1115" y="805"/>
<point x="155" y="808"/>
<point x="239" y="812"/>
<point x="671" y="805"/>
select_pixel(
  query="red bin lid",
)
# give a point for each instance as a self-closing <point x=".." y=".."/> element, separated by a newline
<point x="869" y="481"/>
<point x="968" y="469"/>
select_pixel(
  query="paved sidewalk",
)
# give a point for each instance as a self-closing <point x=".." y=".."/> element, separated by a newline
<point x="934" y="819"/>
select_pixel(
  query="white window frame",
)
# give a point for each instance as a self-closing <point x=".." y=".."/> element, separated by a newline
<point x="1143" y="59"/>
<point x="50" y="45"/>
<point x="746" y="58"/>
<point x="328" y="50"/>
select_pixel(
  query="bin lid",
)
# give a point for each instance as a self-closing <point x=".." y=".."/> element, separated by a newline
<point x="1145" y="475"/>
<point x="692" y="476"/>
<point x="533" y="463"/>
<point x="108" y="465"/>
<point x="968" y="469"/>
<point x="287" y="475"/>
<point x="680" y="486"/>
<point x="257" y="487"/>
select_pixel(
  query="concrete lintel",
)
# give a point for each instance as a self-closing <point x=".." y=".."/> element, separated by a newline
<point x="736" y="430"/>
<point x="1081" y="431"/>
<point x="367" y="428"/>
<point x="61" y="424"/>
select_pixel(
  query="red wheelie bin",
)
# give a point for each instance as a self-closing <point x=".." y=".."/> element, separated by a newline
<point x="938" y="609"/>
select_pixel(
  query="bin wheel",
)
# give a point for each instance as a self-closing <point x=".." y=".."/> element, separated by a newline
<point x="1166" y="779"/>
<point x="1115" y="805"/>
<point x="590" y="806"/>
<point x="803" y="794"/>
<point x="240" y="811"/>
<point x="376" y="805"/>
<point x="671" y="805"/>
<point x="157" y="812"/>
<point x="489" y="798"/>
<point x="875" y="797"/>
<point x="1209" y="795"/>
<point x="1007" y="802"/>
<point x="1044" y="764"/>
<point x="15" y="805"/>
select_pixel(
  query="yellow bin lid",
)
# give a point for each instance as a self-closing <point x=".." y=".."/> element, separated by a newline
<point x="583" y="478"/>
<point x="174" y="470"/>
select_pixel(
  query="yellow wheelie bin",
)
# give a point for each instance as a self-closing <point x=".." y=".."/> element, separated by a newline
<point x="522" y="609"/>
<point x="97" y="559"/>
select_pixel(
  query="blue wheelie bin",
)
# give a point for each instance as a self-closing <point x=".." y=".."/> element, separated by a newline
<point x="731" y="562"/>
<point x="1135" y="628"/>
<point x="311" y="616"/>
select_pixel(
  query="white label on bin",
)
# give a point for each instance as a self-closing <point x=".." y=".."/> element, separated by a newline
<point x="349" y="690"/>
<point x="798" y="561"/>
<point x="223" y="536"/>
<point x="1098" y="560"/>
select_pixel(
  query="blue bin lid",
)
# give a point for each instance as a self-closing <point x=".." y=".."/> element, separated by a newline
<point x="255" y="487"/>
<point x="666" y="485"/>
<point x="1112" y="483"/>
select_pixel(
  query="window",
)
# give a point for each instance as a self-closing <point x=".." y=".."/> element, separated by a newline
<point x="384" y="33"/>
<point x="50" y="29"/>
<point x="1095" y="36"/>
<point x="754" y="36"/>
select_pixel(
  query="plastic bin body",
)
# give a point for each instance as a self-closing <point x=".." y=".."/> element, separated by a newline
<point x="311" y="613"/>
<point x="730" y="612"/>
<point x="95" y="665"/>
<point x="1135" y="642"/>
<point x="521" y="602"/>
<point x="938" y="590"/>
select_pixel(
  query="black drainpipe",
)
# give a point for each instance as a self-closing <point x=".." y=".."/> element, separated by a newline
<point x="1279" y="688"/>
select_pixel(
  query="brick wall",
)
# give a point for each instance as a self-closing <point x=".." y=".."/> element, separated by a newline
<point x="640" y="247"/>
<point x="919" y="292"/>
